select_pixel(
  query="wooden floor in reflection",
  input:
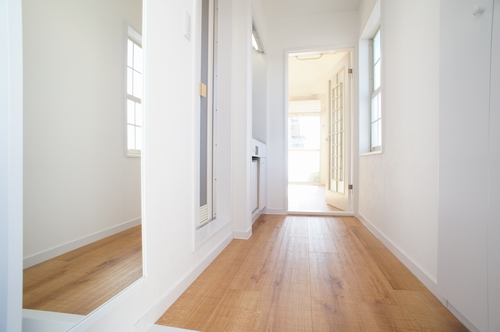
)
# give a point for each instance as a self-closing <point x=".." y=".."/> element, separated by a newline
<point x="308" y="274"/>
<point x="81" y="280"/>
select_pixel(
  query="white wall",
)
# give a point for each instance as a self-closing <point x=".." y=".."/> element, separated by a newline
<point x="398" y="189"/>
<point x="322" y="32"/>
<point x="468" y="156"/>
<point x="494" y="181"/>
<point x="259" y="96"/>
<point x="365" y="10"/>
<point x="171" y="188"/>
<point x="259" y="76"/>
<point x="11" y="165"/>
<point x="77" y="179"/>
<point x="242" y="117"/>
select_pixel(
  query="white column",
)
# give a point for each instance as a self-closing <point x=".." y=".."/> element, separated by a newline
<point x="242" y="117"/>
<point x="11" y="165"/>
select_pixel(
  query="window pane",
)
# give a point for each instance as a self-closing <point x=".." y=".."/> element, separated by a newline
<point x="374" y="109"/>
<point x="130" y="137"/>
<point x="138" y="114"/>
<point x="130" y="112"/>
<point x="129" y="81"/>
<point x="138" y="138"/>
<point x="375" y="134"/>
<point x="379" y="105"/>
<point x="376" y="47"/>
<point x="304" y="132"/>
<point x="379" y="131"/>
<point x="138" y="58"/>
<point x="130" y="48"/>
<point x="376" y="76"/>
<point x="137" y="85"/>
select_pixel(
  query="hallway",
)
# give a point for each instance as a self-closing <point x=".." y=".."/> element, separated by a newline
<point x="308" y="274"/>
<point x="308" y="198"/>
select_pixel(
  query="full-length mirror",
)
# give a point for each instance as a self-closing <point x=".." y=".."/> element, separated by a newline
<point x="82" y="148"/>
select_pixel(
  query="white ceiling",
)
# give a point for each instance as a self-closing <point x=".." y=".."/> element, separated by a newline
<point x="310" y="77"/>
<point x="294" y="8"/>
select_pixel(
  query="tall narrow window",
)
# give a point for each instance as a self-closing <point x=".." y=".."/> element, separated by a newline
<point x="208" y="87"/>
<point x="376" y="96"/>
<point x="134" y="95"/>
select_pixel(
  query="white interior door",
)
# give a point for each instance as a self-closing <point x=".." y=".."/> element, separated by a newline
<point x="337" y="193"/>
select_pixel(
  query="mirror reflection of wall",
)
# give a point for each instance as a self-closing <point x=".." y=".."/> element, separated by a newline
<point x="80" y="183"/>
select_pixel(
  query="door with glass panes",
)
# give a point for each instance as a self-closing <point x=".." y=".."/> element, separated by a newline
<point x="337" y="193"/>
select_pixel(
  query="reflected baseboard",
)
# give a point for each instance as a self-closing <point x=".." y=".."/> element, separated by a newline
<point x="47" y="321"/>
<point x="62" y="249"/>
<point x="161" y="328"/>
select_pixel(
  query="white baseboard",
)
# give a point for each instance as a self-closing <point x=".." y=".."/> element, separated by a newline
<point x="243" y="235"/>
<point x="46" y="321"/>
<point x="148" y="320"/>
<point x="64" y="248"/>
<point x="256" y="215"/>
<point x="420" y="273"/>
<point x="461" y="318"/>
<point x="206" y="232"/>
<point x="276" y="211"/>
<point x="324" y="213"/>
<point x="161" y="328"/>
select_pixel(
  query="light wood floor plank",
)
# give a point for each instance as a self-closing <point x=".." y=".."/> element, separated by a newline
<point x="319" y="236"/>
<point x="339" y="317"/>
<point x="365" y="280"/>
<point x="328" y="281"/>
<point x="238" y="311"/>
<point x="385" y="317"/>
<point x="257" y="270"/>
<point x="287" y="277"/>
<point x="284" y="319"/>
<point x="428" y="312"/>
<point x="80" y="281"/>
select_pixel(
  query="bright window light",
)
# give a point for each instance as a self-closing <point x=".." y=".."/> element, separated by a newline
<point x="254" y="42"/>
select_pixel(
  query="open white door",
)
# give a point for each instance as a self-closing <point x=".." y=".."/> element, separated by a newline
<point x="337" y="193"/>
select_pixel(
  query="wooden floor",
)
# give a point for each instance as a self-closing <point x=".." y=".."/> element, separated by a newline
<point x="308" y="274"/>
<point x="308" y="198"/>
<point x="81" y="280"/>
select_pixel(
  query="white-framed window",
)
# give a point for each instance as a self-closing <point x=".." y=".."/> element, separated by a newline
<point x="376" y="95"/>
<point x="134" y="94"/>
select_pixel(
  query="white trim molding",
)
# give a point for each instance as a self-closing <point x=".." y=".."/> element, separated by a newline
<point x="243" y="235"/>
<point x="148" y="320"/>
<point x="416" y="269"/>
<point x="64" y="248"/>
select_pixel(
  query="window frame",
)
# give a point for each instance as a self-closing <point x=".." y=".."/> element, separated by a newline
<point x="134" y="37"/>
<point x="375" y="93"/>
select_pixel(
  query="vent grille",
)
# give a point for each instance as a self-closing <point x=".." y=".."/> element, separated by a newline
<point x="203" y="214"/>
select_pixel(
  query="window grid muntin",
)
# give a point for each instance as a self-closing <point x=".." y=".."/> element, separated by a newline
<point x="376" y="95"/>
<point x="337" y="133"/>
<point x="134" y="98"/>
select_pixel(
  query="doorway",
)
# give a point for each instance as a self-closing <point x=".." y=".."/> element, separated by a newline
<point x="319" y="158"/>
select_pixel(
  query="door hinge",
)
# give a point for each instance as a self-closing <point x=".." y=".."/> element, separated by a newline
<point x="349" y="70"/>
<point x="350" y="187"/>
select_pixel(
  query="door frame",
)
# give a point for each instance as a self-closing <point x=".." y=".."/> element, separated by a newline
<point x="354" y="132"/>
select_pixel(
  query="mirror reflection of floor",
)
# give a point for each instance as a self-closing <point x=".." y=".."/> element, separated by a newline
<point x="82" y="280"/>
<point x="305" y="197"/>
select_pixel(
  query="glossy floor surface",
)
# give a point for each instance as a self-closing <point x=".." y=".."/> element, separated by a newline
<point x="308" y="274"/>
<point x="81" y="280"/>
<point x="308" y="198"/>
